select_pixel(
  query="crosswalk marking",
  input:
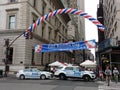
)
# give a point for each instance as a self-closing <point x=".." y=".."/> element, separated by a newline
<point x="112" y="86"/>
<point x="3" y="78"/>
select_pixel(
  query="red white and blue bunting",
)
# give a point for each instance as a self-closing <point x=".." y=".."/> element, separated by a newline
<point x="64" y="11"/>
<point x="69" y="46"/>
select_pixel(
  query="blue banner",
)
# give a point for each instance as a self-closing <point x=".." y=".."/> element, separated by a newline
<point x="65" y="46"/>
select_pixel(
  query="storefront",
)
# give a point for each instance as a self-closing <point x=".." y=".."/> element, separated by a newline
<point x="110" y="56"/>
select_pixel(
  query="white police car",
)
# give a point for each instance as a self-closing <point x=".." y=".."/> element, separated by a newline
<point x="74" y="72"/>
<point x="33" y="73"/>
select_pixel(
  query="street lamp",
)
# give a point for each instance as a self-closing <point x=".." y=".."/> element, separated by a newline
<point x="7" y="55"/>
<point x="29" y="35"/>
<point x="7" y="45"/>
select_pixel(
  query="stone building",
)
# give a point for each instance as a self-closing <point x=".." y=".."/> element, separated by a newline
<point x="108" y="45"/>
<point x="76" y="27"/>
<point x="16" y="16"/>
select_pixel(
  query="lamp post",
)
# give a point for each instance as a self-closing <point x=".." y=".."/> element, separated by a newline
<point x="7" y="45"/>
<point x="7" y="55"/>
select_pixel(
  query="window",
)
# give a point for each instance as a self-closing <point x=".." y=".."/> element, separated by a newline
<point x="59" y="38"/>
<point x="42" y="58"/>
<point x="76" y="68"/>
<point x="27" y="70"/>
<point x="50" y="33"/>
<point x="35" y="17"/>
<point x="43" y="8"/>
<point x="50" y="19"/>
<point x="10" y="55"/>
<point x="55" y="35"/>
<point x="12" y="1"/>
<point x="35" y="70"/>
<point x="34" y="3"/>
<point x="69" y="68"/>
<point x="12" y="22"/>
<point x="49" y="56"/>
<point x="11" y="18"/>
<point x="55" y="56"/>
<point x="32" y="60"/>
<point x="43" y="29"/>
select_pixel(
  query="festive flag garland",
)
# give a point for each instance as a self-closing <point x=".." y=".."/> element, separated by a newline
<point x="65" y="46"/>
<point x="65" y="11"/>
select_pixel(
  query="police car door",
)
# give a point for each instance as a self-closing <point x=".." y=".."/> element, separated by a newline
<point x="35" y="73"/>
<point x="28" y="73"/>
<point x="77" y="72"/>
<point x="69" y="71"/>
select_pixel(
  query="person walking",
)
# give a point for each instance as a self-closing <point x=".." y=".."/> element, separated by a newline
<point x="101" y="75"/>
<point x="108" y="74"/>
<point x="115" y="73"/>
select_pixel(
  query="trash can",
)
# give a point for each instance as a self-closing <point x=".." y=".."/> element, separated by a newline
<point x="1" y="73"/>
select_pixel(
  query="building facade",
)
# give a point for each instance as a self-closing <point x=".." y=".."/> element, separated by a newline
<point x="108" y="45"/>
<point x="16" y="16"/>
<point x="76" y="27"/>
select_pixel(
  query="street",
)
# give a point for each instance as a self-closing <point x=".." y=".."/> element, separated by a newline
<point x="15" y="84"/>
<point x="12" y="83"/>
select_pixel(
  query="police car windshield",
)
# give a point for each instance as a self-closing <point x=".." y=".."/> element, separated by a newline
<point x="59" y="67"/>
<point x="77" y="68"/>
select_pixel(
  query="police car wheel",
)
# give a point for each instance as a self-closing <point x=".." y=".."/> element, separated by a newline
<point x="43" y="77"/>
<point x="86" y="78"/>
<point x="62" y="77"/>
<point x="22" y="77"/>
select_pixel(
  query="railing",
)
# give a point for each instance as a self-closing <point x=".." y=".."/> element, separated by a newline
<point x="111" y="42"/>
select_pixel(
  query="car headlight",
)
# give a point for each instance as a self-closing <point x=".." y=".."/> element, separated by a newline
<point x="48" y="73"/>
<point x="51" y="73"/>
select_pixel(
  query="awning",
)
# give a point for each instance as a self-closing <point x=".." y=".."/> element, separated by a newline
<point x="57" y="63"/>
<point x="88" y="63"/>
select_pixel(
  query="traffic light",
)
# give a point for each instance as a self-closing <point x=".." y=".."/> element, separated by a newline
<point x="6" y="42"/>
<point x="29" y="35"/>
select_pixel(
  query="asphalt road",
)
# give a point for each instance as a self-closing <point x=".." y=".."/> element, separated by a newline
<point x="15" y="84"/>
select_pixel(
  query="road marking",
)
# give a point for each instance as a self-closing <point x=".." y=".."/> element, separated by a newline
<point x="2" y="78"/>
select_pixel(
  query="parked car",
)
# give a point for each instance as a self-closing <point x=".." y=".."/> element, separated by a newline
<point x="74" y="72"/>
<point x="33" y="73"/>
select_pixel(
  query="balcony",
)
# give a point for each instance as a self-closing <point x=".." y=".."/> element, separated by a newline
<point x="108" y="43"/>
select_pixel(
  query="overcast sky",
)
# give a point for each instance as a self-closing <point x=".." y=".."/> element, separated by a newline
<point x="90" y="28"/>
<point x="91" y="31"/>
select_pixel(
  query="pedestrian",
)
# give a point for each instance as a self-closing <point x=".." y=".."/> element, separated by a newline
<point x="53" y="69"/>
<point x="115" y="73"/>
<point x="101" y="75"/>
<point x="108" y="74"/>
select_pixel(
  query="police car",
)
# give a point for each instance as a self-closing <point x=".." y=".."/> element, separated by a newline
<point x="33" y="73"/>
<point x="74" y="72"/>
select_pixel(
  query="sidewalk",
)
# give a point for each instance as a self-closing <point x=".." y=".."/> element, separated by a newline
<point x="113" y="86"/>
<point x="9" y="76"/>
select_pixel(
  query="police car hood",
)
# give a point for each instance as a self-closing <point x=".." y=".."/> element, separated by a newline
<point x="46" y="72"/>
<point x="88" y="71"/>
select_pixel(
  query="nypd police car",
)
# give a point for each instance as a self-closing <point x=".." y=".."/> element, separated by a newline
<point x="33" y="73"/>
<point x="74" y="72"/>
